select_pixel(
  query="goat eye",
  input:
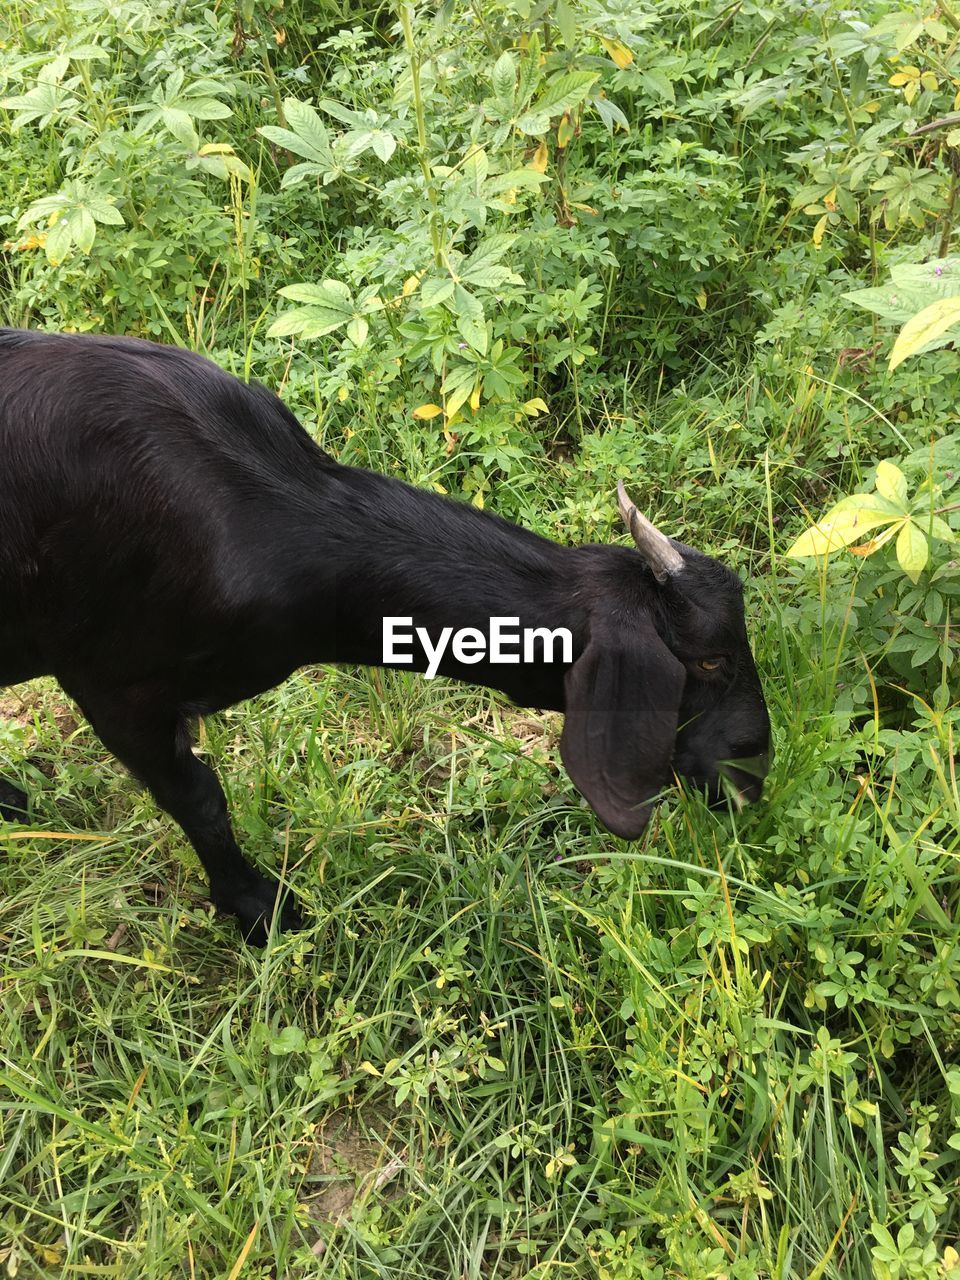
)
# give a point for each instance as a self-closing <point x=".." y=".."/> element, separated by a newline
<point x="710" y="664"/>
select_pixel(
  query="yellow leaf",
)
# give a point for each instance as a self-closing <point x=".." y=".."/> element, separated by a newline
<point x="618" y="52"/>
<point x="475" y="398"/>
<point x="411" y="283"/>
<point x="539" y="161"/>
<point x="913" y="550"/>
<point x="242" y="1255"/>
<point x="910" y="92"/>
<point x="819" y="229"/>
<point x="837" y="529"/>
<point x="343" y="393"/>
<point x="868" y="548"/>
<point x="924" y="327"/>
<point x="369" y="1068"/>
<point x="535" y="406"/>
<point x="565" y="132"/>
<point x="929" y="81"/>
<point x="478" y="499"/>
<point x="427" y="411"/>
<point x="892" y="483"/>
<point x="899" y="80"/>
<point x="702" y="299"/>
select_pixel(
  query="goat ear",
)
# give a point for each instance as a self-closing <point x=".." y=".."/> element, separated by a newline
<point x="622" y="707"/>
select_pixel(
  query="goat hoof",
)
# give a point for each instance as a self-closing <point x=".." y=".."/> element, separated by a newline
<point x="14" y="805"/>
<point x="253" y="900"/>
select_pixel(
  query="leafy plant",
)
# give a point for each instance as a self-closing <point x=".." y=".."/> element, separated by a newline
<point x="912" y="521"/>
<point x="927" y="324"/>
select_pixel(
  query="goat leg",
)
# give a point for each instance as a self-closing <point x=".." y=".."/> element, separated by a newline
<point x="14" y="804"/>
<point x="154" y="744"/>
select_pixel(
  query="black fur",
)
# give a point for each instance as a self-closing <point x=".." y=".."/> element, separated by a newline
<point x="172" y="541"/>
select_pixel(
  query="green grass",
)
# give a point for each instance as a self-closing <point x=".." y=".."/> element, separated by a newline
<point x="507" y="1044"/>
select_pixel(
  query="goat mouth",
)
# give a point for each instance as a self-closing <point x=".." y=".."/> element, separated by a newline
<point x="735" y="782"/>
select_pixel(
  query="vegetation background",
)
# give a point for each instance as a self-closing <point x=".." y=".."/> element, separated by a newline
<point x="513" y="250"/>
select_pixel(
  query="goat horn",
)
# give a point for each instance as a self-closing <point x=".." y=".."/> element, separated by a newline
<point x="655" y="547"/>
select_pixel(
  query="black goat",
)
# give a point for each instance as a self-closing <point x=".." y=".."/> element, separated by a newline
<point x="172" y="541"/>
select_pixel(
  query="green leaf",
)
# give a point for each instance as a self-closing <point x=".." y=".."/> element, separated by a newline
<point x="83" y="229"/>
<point x="355" y="119"/>
<point x="205" y="108"/>
<point x="104" y="212"/>
<point x="567" y="23"/>
<point x="938" y="527"/>
<point x="531" y="72"/>
<point x="657" y="84"/>
<point x="57" y="244"/>
<point x="611" y="115"/>
<point x="563" y="93"/>
<point x="886" y="302"/>
<point x="290" y="1040"/>
<point x="907" y="34"/>
<point x="357" y="330"/>
<point x="331" y="294"/>
<point x="383" y="144"/>
<point x="481" y="267"/>
<point x="434" y="291"/>
<point x="470" y="319"/>
<point x="297" y="172"/>
<point x="306" y="136"/>
<point x="357" y="141"/>
<point x="306" y="322"/>
<point x="505" y="78"/>
<point x="490" y="277"/>
<point x="458" y="396"/>
<point x="892" y="485"/>
<point x="87" y="53"/>
<point x="476" y="167"/>
<point x="329" y="306"/>
<point x="913" y="550"/>
<point x="181" y="126"/>
<point x="926" y="326"/>
<point x="515" y="178"/>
